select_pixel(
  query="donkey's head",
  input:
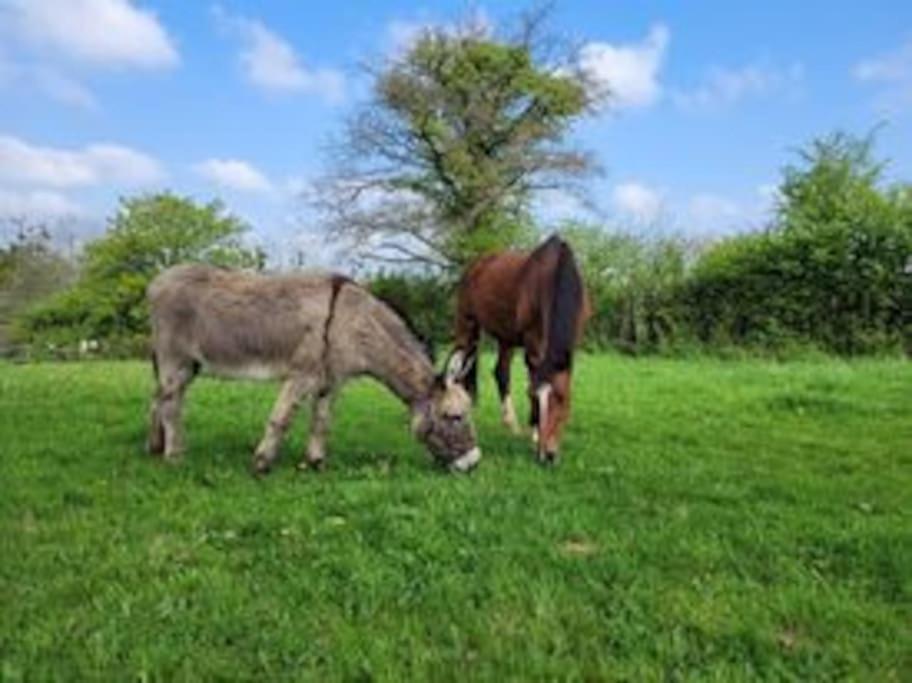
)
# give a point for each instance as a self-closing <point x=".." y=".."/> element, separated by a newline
<point x="443" y="418"/>
<point x="553" y="405"/>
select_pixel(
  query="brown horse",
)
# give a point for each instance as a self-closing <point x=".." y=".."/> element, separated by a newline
<point x="537" y="301"/>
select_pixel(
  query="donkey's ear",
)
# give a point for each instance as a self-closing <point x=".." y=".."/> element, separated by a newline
<point x="468" y="365"/>
<point x="455" y="367"/>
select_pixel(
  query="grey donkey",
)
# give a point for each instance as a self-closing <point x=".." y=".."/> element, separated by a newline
<point x="314" y="332"/>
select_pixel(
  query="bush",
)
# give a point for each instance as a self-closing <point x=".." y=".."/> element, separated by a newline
<point x="632" y="281"/>
<point x="833" y="271"/>
<point x="427" y="301"/>
<point x="147" y="235"/>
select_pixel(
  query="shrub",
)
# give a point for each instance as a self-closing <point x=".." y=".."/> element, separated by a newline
<point x="146" y="235"/>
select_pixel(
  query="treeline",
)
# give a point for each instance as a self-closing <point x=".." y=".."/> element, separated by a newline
<point x="832" y="271"/>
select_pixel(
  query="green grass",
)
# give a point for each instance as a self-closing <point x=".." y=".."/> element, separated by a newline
<point x="710" y="520"/>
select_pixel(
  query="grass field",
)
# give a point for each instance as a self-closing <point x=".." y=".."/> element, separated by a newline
<point x="709" y="520"/>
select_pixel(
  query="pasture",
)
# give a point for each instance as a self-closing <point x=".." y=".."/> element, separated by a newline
<point x="712" y="520"/>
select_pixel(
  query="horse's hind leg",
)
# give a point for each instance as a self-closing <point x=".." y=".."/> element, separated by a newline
<point x="319" y="427"/>
<point x="282" y="414"/>
<point x="502" y="375"/>
<point x="174" y="377"/>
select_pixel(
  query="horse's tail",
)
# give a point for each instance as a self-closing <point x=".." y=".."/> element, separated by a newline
<point x="566" y="307"/>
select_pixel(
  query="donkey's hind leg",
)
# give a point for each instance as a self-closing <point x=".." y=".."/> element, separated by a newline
<point x="166" y="411"/>
<point x="319" y="427"/>
<point x="282" y="414"/>
<point x="155" y="444"/>
<point x="502" y="375"/>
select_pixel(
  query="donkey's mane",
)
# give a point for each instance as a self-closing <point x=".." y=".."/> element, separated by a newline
<point x="425" y="343"/>
<point x="566" y="304"/>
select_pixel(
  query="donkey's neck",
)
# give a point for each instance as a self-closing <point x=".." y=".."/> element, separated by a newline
<point x="398" y="360"/>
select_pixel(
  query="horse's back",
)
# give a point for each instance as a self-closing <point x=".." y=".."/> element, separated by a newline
<point x="488" y="293"/>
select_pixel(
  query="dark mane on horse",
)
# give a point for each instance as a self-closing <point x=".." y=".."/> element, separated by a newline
<point x="566" y="305"/>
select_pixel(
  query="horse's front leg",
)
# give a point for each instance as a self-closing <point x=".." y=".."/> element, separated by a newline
<point x="502" y="375"/>
<point x="532" y="368"/>
<point x="319" y="427"/>
<point x="282" y="414"/>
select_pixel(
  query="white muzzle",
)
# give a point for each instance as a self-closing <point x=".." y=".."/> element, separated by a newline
<point x="466" y="462"/>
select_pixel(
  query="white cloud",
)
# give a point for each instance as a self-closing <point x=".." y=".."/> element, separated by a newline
<point x="23" y="163"/>
<point x="401" y="34"/>
<point x="234" y="175"/>
<point x="49" y="82"/>
<point x="103" y="32"/>
<point x="893" y="71"/>
<point x="722" y="87"/>
<point x="711" y="213"/>
<point x="892" y="67"/>
<point x="37" y="204"/>
<point x="637" y="201"/>
<point x="629" y="73"/>
<point x="708" y="213"/>
<point x="268" y="61"/>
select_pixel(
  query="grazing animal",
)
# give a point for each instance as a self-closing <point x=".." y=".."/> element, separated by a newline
<point x="314" y="332"/>
<point x="534" y="300"/>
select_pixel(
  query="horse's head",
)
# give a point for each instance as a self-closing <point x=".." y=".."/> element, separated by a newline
<point x="553" y="397"/>
<point x="443" y="419"/>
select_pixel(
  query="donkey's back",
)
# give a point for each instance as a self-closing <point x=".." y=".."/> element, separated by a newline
<point x="239" y="324"/>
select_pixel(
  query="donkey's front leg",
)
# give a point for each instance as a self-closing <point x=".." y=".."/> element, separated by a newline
<point x="319" y="427"/>
<point x="279" y="420"/>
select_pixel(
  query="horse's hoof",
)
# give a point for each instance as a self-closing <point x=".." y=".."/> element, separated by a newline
<point x="317" y="465"/>
<point x="548" y="459"/>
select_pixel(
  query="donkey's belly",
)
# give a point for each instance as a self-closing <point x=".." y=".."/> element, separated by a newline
<point x="250" y="370"/>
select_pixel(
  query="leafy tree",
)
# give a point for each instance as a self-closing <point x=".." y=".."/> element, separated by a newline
<point x="461" y="131"/>
<point x="146" y="235"/>
<point x="834" y="268"/>
<point x="631" y="280"/>
<point x="30" y="270"/>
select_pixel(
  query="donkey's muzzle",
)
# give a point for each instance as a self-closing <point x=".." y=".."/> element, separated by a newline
<point x="467" y="461"/>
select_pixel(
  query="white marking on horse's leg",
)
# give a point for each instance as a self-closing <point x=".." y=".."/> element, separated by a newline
<point x="542" y="395"/>
<point x="279" y="420"/>
<point x="508" y="414"/>
<point x="466" y="462"/>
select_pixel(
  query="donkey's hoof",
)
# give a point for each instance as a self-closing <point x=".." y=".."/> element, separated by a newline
<point x="261" y="465"/>
<point x="317" y="464"/>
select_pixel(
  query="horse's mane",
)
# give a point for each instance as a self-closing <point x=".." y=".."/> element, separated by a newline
<point x="564" y="304"/>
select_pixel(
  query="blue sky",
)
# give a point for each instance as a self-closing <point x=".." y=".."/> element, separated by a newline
<point x="235" y="99"/>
